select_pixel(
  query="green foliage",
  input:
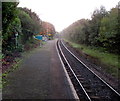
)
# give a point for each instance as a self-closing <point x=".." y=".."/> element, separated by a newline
<point x="13" y="67"/>
<point x="100" y="31"/>
<point x="8" y="14"/>
<point x="26" y="20"/>
<point x="106" y="58"/>
<point x="37" y="21"/>
<point x="109" y="30"/>
<point x="17" y="21"/>
<point x="10" y="24"/>
<point x="26" y="24"/>
<point x="29" y="25"/>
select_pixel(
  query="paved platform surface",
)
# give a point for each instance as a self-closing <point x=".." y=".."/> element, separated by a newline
<point x="41" y="76"/>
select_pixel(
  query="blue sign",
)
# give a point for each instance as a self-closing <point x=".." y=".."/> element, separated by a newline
<point x="39" y="37"/>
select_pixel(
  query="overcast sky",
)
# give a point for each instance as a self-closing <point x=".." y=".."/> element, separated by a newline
<point x="62" y="13"/>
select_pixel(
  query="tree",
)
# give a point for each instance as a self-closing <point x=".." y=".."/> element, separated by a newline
<point x="9" y="15"/>
<point x="28" y="26"/>
<point x="48" y="29"/>
<point x="109" y="35"/>
<point x="37" y="21"/>
<point x="95" y="24"/>
<point x="101" y="31"/>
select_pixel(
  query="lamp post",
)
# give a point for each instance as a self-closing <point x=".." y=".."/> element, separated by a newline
<point x="16" y="40"/>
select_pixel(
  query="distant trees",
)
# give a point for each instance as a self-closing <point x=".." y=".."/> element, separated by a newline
<point x="48" y="29"/>
<point x="32" y="24"/>
<point x="101" y="30"/>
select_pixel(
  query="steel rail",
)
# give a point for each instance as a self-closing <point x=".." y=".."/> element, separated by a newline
<point x="68" y="78"/>
<point x="90" y="70"/>
<point x="74" y="74"/>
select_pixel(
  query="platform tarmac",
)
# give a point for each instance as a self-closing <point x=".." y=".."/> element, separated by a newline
<point x="41" y="76"/>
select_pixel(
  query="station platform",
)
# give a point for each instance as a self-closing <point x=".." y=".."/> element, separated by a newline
<point x="40" y="76"/>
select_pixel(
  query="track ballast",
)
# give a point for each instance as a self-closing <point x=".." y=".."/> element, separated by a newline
<point x="88" y="85"/>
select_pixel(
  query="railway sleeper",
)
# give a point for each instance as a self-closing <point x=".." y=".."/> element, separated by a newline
<point x="89" y="91"/>
<point x="81" y="78"/>
<point x="83" y="82"/>
<point x="86" y="86"/>
<point x="95" y="98"/>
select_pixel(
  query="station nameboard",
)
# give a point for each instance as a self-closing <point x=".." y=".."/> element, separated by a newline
<point x="39" y="37"/>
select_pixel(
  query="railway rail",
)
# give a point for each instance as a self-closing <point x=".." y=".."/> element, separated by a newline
<point x="88" y="85"/>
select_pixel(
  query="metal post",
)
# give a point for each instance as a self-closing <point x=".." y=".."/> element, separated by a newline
<point x="16" y="40"/>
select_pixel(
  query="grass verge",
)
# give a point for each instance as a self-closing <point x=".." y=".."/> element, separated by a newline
<point x="108" y="59"/>
<point x="14" y="66"/>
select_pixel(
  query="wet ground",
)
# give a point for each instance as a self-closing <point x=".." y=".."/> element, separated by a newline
<point x="41" y="76"/>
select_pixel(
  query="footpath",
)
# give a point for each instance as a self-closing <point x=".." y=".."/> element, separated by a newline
<point x="41" y="76"/>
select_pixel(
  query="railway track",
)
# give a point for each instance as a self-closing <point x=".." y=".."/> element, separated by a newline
<point x="88" y="85"/>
